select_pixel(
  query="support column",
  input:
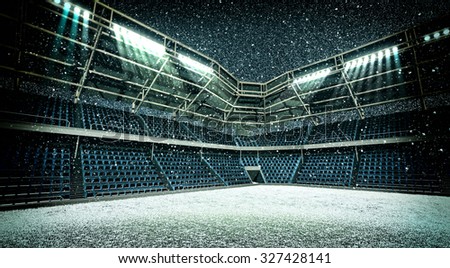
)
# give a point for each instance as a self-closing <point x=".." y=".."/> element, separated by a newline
<point x="76" y="178"/>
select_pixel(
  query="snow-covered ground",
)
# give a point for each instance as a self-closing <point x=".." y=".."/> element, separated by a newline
<point x="258" y="216"/>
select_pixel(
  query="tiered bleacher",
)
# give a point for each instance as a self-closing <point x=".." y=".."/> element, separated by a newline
<point x="165" y="127"/>
<point x="34" y="169"/>
<point x="402" y="168"/>
<point x="106" y="119"/>
<point x="27" y="107"/>
<point x="53" y="110"/>
<point x="216" y="137"/>
<point x="293" y="136"/>
<point x="118" y="170"/>
<point x="387" y="126"/>
<point x="248" y="141"/>
<point x="335" y="132"/>
<point x="185" y="169"/>
<point x="279" y="167"/>
<point x="327" y="168"/>
<point x="228" y="167"/>
<point x="250" y="159"/>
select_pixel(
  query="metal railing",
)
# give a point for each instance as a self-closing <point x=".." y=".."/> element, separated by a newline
<point x="35" y="116"/>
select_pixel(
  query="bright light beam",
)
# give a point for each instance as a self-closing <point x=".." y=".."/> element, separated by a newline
<point x="77" y="11"/>
<point x="194" y="64"/>
<point x="396" y="57"/>
<point x="137" y="41"/>
<point x="85" y="33"/>
<point x="73" y="33"/>
<point x="313" y="76"/>
<point x="86" y="18"/>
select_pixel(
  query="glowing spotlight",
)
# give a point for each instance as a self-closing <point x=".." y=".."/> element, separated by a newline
<point x="86" y="15"/>
<point x="395" y="50"/>
<point x="427" y="38"/>
<point x="138" y="41"/>
<point x="373" y="58"/>
<point x="313" y="76"/>
<point x="67" y="5"/>
<point x="57" y="2"/>
<point x="77" y="10"/>
<point x="195" y="64"/>
<point x="436" y="35"/>
<point x="366" y="60"/>
<point x="387" y="53"/>
<point x="380" y="55"/>
<point x="360" y="62"/>
<point x="446" y="31"/>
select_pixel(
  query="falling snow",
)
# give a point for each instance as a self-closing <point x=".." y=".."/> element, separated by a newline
<point x="286" y="35"/>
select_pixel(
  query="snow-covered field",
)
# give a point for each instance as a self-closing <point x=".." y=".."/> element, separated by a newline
<point x="258" y="216"/>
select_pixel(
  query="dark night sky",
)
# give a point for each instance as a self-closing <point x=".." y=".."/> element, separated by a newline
<point x="258" y="40"/>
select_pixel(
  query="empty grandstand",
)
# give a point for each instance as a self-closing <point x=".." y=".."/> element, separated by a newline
<point x="97" y="105"/>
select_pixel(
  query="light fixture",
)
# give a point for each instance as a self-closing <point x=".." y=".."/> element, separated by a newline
<point x="373" y="58"/>
<point x="364" y="60"/>
<point x="313" y="76"/>
<point x="427" y="38"/>
<point x="194" y="64"/>
<point x="387" y="52"/>
<point x="446" y="31"/>
<point x="137" y="41"/>
<point x="395" y="50"/>
<point x="380" y="55"/>
<point x="86" y="15"/>
<point x="77" y="10"/>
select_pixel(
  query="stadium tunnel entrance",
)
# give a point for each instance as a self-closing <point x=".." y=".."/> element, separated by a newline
<point x="255" y="174"/>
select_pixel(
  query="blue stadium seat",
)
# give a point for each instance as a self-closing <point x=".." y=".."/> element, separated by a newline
<point x="118" y="170"/>
<point x="228" y="166"/>
<point x="334" y="168"/>
<point x="185" y="170"/>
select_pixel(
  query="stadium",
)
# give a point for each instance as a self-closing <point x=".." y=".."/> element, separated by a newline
<point x="115" y="134"/>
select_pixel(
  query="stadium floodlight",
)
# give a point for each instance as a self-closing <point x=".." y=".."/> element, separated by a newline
<point x="387" y="52"/>
<point x="446" y="31"/>
<point x="348" y="65"/>
<point x="194" y="64"/>
<point x="373" y="57"/>
<point x="380" y="55"/>
<point x="77" y="10"/>
<point x="85" y="34"/>
<point x="436" y="35"/>
<point x="395" y="50"/>
<point x="313" y="76"/>
<point x="57" y="2"/>
<point x="364" y="60"/>
<point x="86" y="15"/>
<point x="360" y="62"/>
<point x="137" y="41"/>
<point x="67" y="5"/>
<point x="427" y="38"/>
